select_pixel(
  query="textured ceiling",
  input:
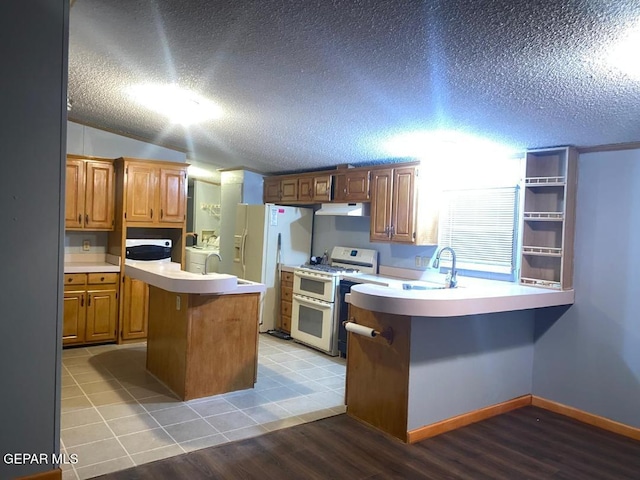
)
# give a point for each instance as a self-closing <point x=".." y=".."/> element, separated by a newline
<point x="307" y="84"/>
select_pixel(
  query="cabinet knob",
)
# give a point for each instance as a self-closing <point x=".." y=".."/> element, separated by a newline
<point x="70" y="280"/>
<point x="102" y="279"/>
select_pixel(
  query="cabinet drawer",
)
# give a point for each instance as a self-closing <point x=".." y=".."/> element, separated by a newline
<point x="287" y="277"/>
<point x="285" y="308"/>
<point x="75" y="278"/>
<point x="287" y="294"/>
<point x="99" y="278"/>
<point x="286" y="324"/>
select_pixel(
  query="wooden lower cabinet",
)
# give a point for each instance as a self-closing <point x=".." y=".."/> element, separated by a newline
<point x="203" y="345"/>
<point x="286" y="300"/>
<point x="90" y="308"/>
<point x="377" y="388"/>
<point x="134" y="314"/>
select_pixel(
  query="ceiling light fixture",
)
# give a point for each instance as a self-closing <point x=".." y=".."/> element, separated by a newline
<point x="623" y="54"/>
<point x="177" y="104"/>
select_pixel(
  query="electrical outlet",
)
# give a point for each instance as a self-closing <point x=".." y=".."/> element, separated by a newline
<point x="418" y="261"/>
<point x="425" y="261"/>
<point x="86" y="245"/>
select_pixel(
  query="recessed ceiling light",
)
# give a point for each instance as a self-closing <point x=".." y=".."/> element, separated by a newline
<point x="177" y="104"/>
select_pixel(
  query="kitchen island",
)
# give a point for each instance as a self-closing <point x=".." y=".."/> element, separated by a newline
<point x="203" y="329"/>
<point x="455" y="356"/>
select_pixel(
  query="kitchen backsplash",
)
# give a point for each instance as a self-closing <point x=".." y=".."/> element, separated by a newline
<point x="75" y="243"/>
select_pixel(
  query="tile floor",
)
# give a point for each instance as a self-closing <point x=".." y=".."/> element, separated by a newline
<point x="115" y="415"/>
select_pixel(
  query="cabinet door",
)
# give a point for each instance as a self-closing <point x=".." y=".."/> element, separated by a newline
<point x="102" y="314"/>
<point x="135" y="312"/>
<point x="356" y="186"/>
<point x="73" y="323"/>
<point x="403" y="205"/>
<point x="289" y="190"/>
<point x="271" y="190"/>
<point x="141" y="182"/>
<point x="322" y="188"/>
<point x="99" y="196"/>
<point x="173" y="195"/>
<point x="74" y="194"/>
<point x="305" y="189"/>
<point x="381" y="190"/>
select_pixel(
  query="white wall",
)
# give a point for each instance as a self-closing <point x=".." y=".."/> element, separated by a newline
<point x="83" y="140"/>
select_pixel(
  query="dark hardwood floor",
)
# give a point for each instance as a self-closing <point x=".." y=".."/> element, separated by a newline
<point x="529" y="443"/>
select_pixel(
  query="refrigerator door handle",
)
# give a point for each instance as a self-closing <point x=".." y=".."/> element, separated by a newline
<point x="243" y="253"/>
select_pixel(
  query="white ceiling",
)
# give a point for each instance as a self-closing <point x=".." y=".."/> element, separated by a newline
<point x="313" y="83"/>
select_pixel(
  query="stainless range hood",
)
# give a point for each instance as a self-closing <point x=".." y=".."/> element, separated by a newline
<point x="344" y="209"/>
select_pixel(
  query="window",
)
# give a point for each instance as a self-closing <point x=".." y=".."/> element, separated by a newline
<point x="479" y="215"/>
<point x="480" y="225"/>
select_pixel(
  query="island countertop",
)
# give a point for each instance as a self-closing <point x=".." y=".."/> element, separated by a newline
<point x="472" y="296"/>
<point x="168" y="276"/>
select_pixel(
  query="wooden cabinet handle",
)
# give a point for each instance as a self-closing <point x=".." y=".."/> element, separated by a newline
<point x="82" y="301"/>
<point x="161" y="213"/>
<point x="79" y="218"/>
<point x="152" y="213"/>
<point x="89" y="301"/>
<point x="86" y="219"/>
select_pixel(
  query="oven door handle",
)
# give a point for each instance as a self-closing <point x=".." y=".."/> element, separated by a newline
<point x="313" y="277"/>
<point x="313" y="302"/>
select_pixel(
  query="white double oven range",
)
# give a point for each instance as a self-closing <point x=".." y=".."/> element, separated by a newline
<point x="314" y="319"/>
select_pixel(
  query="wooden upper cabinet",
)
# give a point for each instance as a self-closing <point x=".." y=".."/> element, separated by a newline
<point x="305" y="189"/>
<point x="381" y="204"/>
<point x="289" y="190"/>
<point x="99" y="201"/>
<point x="89" y="194"/>
<point x="352" y="186"/>
<point x="271" y="190"/>
<point x="172" y="194"/>
<point x="155" y="193"/>
<point x="74" y="195"/>
<point x="400" y="212"/>
<point x="140" y="192"/>
<point x="322" y="188"/>
<point x="403" y="205"/>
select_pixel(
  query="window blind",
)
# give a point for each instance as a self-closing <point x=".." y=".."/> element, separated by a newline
<point x="480" y="225"/>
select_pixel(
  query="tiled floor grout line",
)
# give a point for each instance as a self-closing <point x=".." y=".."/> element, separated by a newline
<point x="278" y="368"/>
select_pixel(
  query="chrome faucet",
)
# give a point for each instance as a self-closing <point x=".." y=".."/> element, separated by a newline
<point x="451" y="281"/>
<point x="212" y="254"/>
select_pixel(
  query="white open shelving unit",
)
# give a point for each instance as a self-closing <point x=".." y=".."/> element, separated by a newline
<point x="549" y="218"/>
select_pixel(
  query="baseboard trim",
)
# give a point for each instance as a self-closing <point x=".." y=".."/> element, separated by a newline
<point x="585" y="417"/>
<point x="465" y="419"/>
<point x="55" y="474"/>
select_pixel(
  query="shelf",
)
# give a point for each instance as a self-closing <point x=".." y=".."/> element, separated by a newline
<point x="544" y="216"/>
<point x="542" y="251"/>
<point x="540" y="283"/>
<point x="545" y="181"/>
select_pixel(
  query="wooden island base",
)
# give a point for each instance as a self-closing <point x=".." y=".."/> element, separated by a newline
<point x="203" y="345"/>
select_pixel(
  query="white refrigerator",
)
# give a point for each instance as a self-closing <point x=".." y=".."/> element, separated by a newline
<point x="266" y="237"/>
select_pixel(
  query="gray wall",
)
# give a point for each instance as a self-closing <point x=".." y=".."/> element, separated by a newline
<point x="590" y="357"/>
<point x="33" y="86"/>
<point x="462" y="364"/>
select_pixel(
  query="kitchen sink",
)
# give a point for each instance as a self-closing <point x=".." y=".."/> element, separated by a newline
<point x="423" y="286"/>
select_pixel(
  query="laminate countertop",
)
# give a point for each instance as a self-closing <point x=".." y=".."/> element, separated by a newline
<point x="168" y="276"/>
<point x="472" y="296"/>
